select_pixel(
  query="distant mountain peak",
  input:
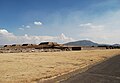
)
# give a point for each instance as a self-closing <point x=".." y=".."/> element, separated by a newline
<point x="116" y="44"/>
<point x="82" y="43"/>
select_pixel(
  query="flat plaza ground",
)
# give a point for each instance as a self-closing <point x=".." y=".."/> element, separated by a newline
<point x="34" y="67"/>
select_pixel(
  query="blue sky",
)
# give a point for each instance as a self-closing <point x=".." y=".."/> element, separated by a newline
<point x="59" y="20"/>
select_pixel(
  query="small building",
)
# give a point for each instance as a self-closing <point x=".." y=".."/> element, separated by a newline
<point x="73" y="48"/>
<point x="7" y="45"/>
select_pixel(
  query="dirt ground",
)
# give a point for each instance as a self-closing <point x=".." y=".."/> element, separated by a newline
<point x="31" y="67"/>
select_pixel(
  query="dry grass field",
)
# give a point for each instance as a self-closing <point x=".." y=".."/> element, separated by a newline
<point x="30" y="67"/>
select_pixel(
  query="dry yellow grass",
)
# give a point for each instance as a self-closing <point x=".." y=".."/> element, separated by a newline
<point x="29" y="67"/>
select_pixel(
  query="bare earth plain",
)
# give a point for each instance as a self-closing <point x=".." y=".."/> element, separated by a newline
<point x="39" y="67"/>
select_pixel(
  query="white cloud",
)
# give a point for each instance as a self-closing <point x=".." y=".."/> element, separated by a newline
<point x="9" y="38"/>
<point x="23" y="25"/>
<point x="64" y="38"/>
<point x="21" y="28"/>
<point x="109" y="33"/>
<point x="28" y="26"/>
<point x="92" y="26"/>
<point x="4" y="32"/>
<point x="37" y="23"/>
<point x="87" y="24"/>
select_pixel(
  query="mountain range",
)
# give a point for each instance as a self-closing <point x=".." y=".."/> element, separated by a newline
<point x="88" y="43"/>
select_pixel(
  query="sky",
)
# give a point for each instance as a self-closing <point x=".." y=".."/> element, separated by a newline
<point x="35" y="21"/>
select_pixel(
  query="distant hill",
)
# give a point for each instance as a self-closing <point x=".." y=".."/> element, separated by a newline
<point x="82" y="43"/>
<point x="116" y="44"/>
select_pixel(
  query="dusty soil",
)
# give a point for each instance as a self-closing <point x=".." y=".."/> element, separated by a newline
<point x="34" y="67"/>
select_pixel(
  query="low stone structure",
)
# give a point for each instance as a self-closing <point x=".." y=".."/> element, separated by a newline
<point x="42" y="47"/>
<point x="49" y="47"/>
